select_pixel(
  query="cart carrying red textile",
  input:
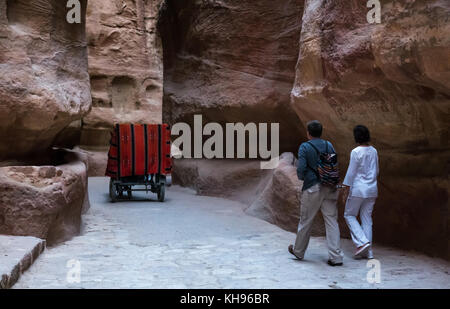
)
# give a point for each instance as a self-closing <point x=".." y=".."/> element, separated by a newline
<point x="139" y="155"/>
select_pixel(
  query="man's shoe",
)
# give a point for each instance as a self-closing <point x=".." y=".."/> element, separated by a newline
<point x="335" y="264"/>
<point x="291" y="251"/>
<point x="361" y="251"/>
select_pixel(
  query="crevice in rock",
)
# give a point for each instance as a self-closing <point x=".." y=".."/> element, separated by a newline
<point x="232" y="72"/>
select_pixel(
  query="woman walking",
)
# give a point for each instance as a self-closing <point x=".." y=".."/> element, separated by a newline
<point x="361" y="188"/>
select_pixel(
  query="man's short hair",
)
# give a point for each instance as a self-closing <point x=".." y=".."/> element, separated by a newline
<point x="361" y="134"/>
<point x="314" y="128"/>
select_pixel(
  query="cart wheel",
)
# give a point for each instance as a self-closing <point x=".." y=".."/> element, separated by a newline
<point x="161" y="192"/>
<point x="112" y="191"/>
<point x="130" y="195"/>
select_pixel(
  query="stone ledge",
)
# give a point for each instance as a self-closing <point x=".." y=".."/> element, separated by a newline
<point x="45" y="201"/>
<point x="17" y="254"/>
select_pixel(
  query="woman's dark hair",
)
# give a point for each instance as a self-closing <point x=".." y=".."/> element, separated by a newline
<point x="361" y="134"/>
<point x="314" y="128"/>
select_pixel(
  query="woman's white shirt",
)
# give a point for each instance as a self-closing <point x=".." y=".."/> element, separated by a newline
<point x="362" y="172"/>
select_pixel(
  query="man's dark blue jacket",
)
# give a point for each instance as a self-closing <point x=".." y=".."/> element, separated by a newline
<point x="308" y="159"/>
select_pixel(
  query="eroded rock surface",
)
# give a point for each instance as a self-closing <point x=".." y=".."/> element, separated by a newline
<point x="97" y="159"/>
<point x="125" y="65"/>
<point x="44" y="83"/>
<point x="240" y="180"/>
<point x="44" y="201"/>
<point x="393" y="77"/>
<point x="232" y="61"/>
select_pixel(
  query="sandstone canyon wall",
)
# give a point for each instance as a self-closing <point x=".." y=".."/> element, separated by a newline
<point x="232" y="61"/>
<point x="125" y="66"/>
<point x="44" y="86"/>
<point x="393" y="77"/>
<point x="235" y="61"/>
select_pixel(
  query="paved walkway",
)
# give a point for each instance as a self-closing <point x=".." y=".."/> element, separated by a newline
<point x="193" y="241"/>
<point x="17" y="254"/>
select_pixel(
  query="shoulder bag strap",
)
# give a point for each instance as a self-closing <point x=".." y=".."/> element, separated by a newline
<point x="318" y="153"/>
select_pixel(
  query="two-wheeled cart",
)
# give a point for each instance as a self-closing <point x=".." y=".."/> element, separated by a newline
<point x="139" y="160"/>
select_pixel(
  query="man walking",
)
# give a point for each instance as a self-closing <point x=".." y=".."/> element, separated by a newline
<point x="316" y="196"/>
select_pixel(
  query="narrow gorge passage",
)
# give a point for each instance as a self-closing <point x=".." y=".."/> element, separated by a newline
<point x="192" y="241"/>
<point x="226" y="223"/>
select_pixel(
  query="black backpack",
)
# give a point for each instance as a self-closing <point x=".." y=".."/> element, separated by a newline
<point x="327" y="167"/>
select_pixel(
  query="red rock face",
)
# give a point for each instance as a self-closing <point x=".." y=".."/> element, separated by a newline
<point x="44" y="84"/>
<point x="125" y="65"/>
<point x="232" y="61"/>
<point x="44" y="201"/>
<point x="394" y="77"/>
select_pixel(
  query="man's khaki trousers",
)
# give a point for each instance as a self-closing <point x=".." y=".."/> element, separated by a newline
<point x="313" y="199"/>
